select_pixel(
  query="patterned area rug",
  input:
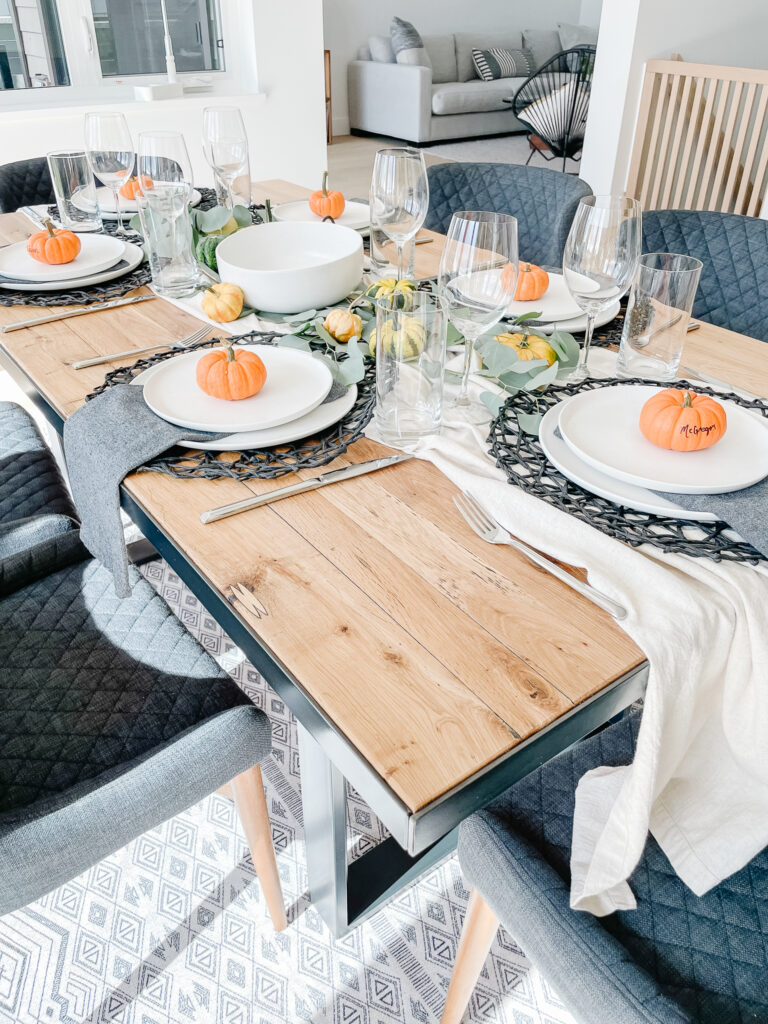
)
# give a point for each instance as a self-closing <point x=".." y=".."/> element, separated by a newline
<point x="173" y="927"/>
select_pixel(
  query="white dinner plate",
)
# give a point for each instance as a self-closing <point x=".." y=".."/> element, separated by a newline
<point x="97" y="252"/>
<point x="296" y="384"/>
<point x="132" y="257"/>
<point x="322" y="417"/>
<point x="356" y="215"/>
<point x="556" y="304"/>
<point x="105" y="197"/>
<point x="594" y="480"/>
<point x="602" y="427"/>
<point x="579" y="323"/>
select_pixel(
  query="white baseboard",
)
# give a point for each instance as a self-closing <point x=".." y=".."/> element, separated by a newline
<point x="341" y="126"/>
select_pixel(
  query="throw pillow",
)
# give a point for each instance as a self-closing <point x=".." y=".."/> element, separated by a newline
<point x="499" y="63"/>
<point x="381" y="50"/>
<point x="407" y="44"/>
<point x="576" y="35"/>
<point x="545" y="43"/>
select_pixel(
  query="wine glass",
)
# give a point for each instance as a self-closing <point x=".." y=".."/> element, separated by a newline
<point x="225" y="145"/>
<point x="165" y="174"/>
<point x="399" y="197"/>
<point x="600" y="259"/>
<point x="109" y="150"/>
<point x="478" y="248"/>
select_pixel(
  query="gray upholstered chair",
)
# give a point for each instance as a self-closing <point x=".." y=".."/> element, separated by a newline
<point x="25" y="183"/>
<point x="544" y="202"/>
<point x="676" y="959"/>
<point x="112" y="717"/>
<point x="733" y="288"/>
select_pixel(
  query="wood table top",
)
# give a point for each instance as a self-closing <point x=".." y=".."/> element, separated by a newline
<point x="432" y="652"/>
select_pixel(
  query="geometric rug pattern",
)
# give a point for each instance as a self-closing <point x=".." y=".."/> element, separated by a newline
<point x="172" y="929"/>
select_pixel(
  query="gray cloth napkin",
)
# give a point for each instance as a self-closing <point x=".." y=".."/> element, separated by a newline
<point x="745" y="511"/>
<point x="104" y="441"/>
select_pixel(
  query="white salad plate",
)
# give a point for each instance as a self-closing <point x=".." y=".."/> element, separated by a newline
<point x="132" y="257"/>
<point x="105" y="198"/>
<point x="579" y="323"/>
<point x="556" y="304"/>
<point x="296" y="384"/>
<point x="594" y="480"/>
<point x="97" y="252"/>
<point x="602" y="428"/>
<point x="356" y="215"/>
<point x="322" y="417"/>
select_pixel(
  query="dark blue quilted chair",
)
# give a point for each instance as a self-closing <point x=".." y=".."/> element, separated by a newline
<point x="733" y="290"/>
<point x="25" y="183"/>
<point x="676" y="959"/>
<point x="112" y="717"/>
<point x="543" y="201"/>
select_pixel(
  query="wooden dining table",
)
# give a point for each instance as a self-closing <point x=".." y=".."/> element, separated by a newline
<point x="428" y="669"/>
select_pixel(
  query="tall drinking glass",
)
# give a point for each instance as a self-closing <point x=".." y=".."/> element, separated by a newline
<point x="478" y="248"/>
<point x="75" y="191"/>
<point x="225" y="145"/>
<point x="600" y="259"/>
<point x="165" y="172"/>
<point x="109" y="148"/>
<point x="658" y="314"/>
<point x="399" y="197"/>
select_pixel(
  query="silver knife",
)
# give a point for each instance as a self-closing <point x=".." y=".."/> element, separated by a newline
<point x="32" y="215"/>
<point x="7" y="328"/>
<point x="214" y="514"/>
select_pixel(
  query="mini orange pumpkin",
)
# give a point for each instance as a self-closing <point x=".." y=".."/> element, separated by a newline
<point x="682" y="420"/>
<point x="133" y="187"/>
<point x="223" y="302"/>
<point x="231" y="374"/>
<point x="532" y="281"/>
<point x="53" y="246"/>
<point x="326" y="203"/>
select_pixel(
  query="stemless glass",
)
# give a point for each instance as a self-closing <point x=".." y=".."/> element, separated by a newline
<point x="165" y="173"/>
<point x="109" y="149"/>
<point x="478" y="247"/>
<point x="225" y="145"/>
<point x="399" y="197"/>
<point x="600" y="259"/>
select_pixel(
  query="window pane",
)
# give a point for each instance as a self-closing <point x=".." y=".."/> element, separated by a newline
<point x="31" y="51"/>
<point x="130" y="36"/>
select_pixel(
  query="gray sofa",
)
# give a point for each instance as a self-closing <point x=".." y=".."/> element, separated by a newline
<point x="446" y="101"/>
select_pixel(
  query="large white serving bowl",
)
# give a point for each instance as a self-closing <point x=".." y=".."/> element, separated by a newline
<point x="286" y="267"/>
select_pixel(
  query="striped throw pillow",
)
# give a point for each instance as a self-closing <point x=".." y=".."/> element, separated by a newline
<point x="500" y="63"/>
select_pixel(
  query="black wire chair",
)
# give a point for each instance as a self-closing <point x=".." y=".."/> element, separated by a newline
<point x="553" y="104"/>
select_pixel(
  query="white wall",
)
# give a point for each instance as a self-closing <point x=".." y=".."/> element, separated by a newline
<point x="634" y="31"/>
<point x="282" y="100"/>
<point x="349" y="23"/>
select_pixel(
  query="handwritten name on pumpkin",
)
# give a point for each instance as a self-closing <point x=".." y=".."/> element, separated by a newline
<point x="691" y="430"/>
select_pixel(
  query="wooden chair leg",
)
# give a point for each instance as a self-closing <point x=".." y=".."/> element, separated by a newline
<point x="251" y="804"/>
<point x="480" y="927"/>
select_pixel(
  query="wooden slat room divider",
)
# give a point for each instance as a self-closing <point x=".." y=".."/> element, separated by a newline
<point x="700" y="140"/>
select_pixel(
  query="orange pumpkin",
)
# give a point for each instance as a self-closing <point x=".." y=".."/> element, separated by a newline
<point x="231" y="374"/>
<point x="133" y="187"/>
<point x="326" y="203"/>
<point x="682" y="420"/>
<point x="53" y="245"/>
<point x="532" y="281"/>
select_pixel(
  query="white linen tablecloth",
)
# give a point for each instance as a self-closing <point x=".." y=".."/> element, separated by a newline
<point x="699" y="780"/>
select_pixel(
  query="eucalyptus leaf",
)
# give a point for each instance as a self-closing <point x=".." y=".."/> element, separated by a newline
<point x="209" y="221"/>
<point x="527" y="316"/>
<point x="135" y="223"/>
<point x="294" y="341"/>
<point x="453" y="335"/>
<point x="242" y="216"/>
<point x="246" y="311"/>
<point x="350" y="371"/>
<point x="325" y="336"/>
<point x="566" y="347"/>
<point x="529" y="422"/>
<point x="542" y="379"/>
<point x="492" y="402"/>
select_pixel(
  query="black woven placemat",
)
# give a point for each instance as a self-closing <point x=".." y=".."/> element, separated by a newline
<point x="266" y="463"/>
<point x="521" y="457"/>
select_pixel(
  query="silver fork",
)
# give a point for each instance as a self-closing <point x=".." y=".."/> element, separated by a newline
<point x="184" y="343"/>
<point x="489" y="530"/>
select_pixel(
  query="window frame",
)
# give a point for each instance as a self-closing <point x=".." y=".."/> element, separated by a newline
<point x="87" y="83"/>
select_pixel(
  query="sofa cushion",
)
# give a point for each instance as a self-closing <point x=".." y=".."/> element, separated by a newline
<point x="466" y="42"/>
<point x="473" y="97"/>
<point x="442" y="53"/>
<point x="499" y="63"/>
<point x="381" y="49"/>
<point x="407" y="44"/>
<point x="545" y="43"/>
<point x="576" y="35"/>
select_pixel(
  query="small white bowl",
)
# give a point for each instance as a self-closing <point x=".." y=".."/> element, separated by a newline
<point x="286" y="267"/>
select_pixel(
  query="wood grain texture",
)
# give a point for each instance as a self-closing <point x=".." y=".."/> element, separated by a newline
<point x="432" y="652"/>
